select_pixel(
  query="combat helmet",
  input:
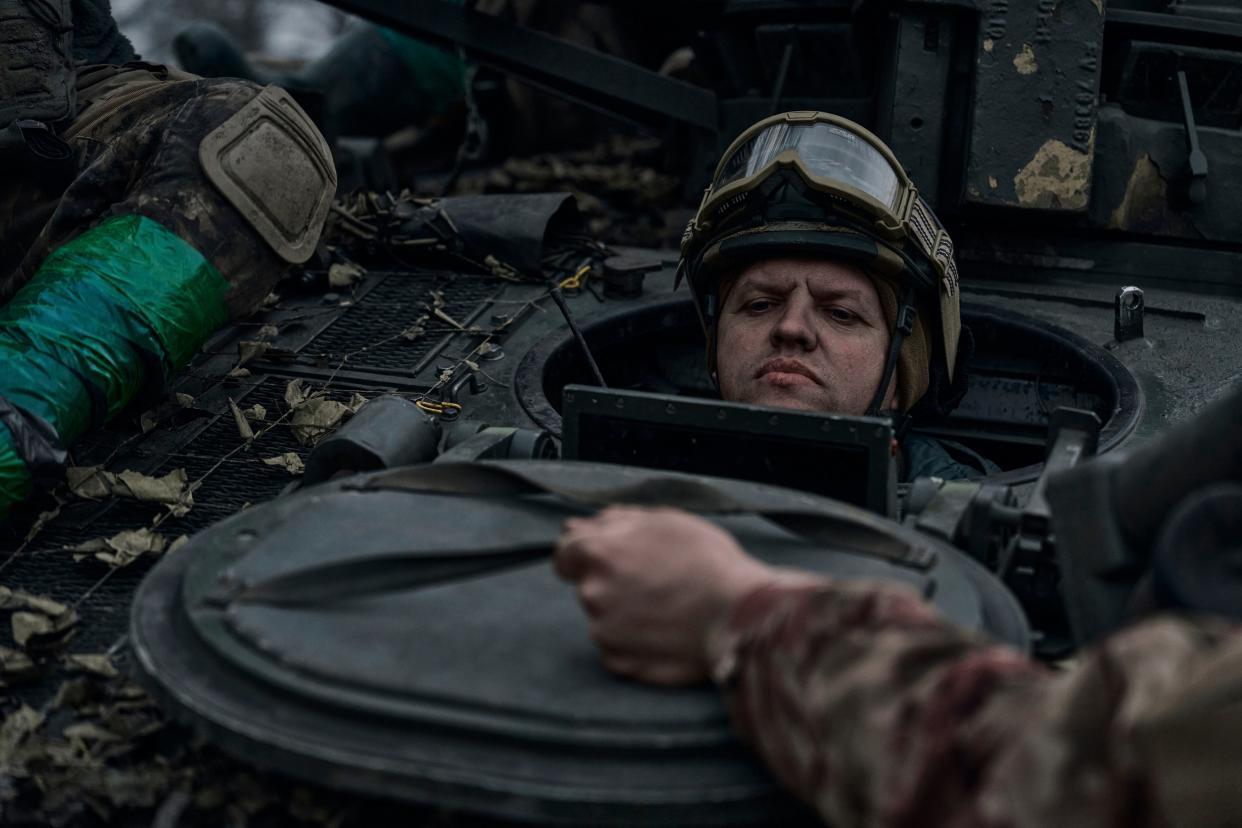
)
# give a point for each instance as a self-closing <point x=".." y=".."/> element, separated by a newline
<point x="819" y="185"/>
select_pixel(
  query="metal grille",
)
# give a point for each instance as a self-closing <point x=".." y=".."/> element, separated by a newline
<point x="47" y="569"/>
<point x="390" y="308"/>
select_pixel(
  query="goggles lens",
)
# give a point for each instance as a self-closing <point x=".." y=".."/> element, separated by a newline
<point x="826" y="151"/>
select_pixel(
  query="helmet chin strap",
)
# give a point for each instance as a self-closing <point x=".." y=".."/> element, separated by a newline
<point x="906" y="314"/>
<point x="712" y="322"/>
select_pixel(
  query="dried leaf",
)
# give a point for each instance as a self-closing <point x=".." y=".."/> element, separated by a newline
<point x="272" y="300"/>
<point x="29" y="624"/>
<point x="99" y="664"/>
<point x="90" y="731"/>
<point x="342" y="275"/>
<point x="15" y="666"/>
<point x="123" y="548"/>
<point x="93" y="483"/>
<point x="17" y="727"/>
<point x="471" y="364"/>
<point x="43" y="520"/>
<point x="313" y="419"/>
<point x="243" y="426"/>
<point x="147" y="421"/>
<point x="184" y="400"/>
<point x="39" y="623"/>
<point x="291" y="462"/>
<point x="446" y="375"/>
<point x="38" y="631"/>
<point x="416" y="330"/>
<point x="132" y="544"/>
<point x="239" y="373"/>
<point x="485" y="348"/>
<point x="255" y="412"/>
<point x="181" y="541"/>
<point x="75" y="693"/>
<point x="88" y="481"/>
<point x="296" y="393"/>
<point x="440" y="314"/>
<point x="268" y="332"/>
<point x="11" y="599"/>
<point x="249" y="350"/>
<point x="182" y="507"/>
<point x="356" y="401"/>
<point x="171" y="488"/>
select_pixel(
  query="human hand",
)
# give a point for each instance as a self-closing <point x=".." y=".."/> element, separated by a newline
<point x="656" y="584"/>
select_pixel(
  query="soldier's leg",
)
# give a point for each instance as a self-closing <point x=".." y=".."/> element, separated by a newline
<point x="372" y="81"/>
<point x="191" y="198"/>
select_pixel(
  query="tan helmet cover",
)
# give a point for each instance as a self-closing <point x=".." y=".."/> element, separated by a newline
<point x="272" y="164"/>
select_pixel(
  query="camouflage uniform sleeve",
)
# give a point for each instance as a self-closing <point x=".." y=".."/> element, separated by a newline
<point x="875" y="710"/>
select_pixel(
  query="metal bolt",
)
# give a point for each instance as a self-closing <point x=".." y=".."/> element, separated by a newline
<point x="1128" y="314"/>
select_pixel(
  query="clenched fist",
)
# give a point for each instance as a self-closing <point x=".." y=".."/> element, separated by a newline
<point x="657" y="585"/>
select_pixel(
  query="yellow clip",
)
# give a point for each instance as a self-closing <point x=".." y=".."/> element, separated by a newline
<point x="575" y="282"/>
<point x="442" y="409"/>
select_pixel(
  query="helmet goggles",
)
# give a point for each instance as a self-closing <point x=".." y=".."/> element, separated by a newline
<point x="850" y="168"/>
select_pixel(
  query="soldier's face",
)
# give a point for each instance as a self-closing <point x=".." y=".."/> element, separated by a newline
<point x="802" y="333"/>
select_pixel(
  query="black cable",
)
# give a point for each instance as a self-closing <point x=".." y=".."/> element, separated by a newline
<point x="559" y="299"/>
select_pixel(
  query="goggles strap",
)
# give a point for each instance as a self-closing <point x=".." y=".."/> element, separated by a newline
<point x="906" y="314"/>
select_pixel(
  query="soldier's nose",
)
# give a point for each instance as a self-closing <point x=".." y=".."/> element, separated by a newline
<point x="794" y="328"/>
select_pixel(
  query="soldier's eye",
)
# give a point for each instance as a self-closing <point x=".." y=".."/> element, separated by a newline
<point x="843" y="315"/>
<point x="759" y="305"/>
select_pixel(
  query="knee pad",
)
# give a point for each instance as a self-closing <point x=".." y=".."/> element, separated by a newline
<point x="270" y="162"/>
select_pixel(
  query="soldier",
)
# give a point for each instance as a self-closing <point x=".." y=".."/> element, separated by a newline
<point x="862" y="700"/>
<point x="141" y="208"/>
<point x="824" y="282"/>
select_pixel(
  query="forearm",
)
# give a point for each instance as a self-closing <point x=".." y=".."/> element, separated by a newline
<point x="875" y="710"/>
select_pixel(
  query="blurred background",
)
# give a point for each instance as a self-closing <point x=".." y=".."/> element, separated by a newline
<point x="279" y="29"/>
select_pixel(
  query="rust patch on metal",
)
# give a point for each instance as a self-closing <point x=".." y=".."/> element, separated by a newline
<point x="1024" y="61"/>
<point x="1145" y="206"/>
<point x="1058" y="177"/>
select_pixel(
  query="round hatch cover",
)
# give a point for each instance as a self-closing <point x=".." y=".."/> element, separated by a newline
<point x="402" y="633"/>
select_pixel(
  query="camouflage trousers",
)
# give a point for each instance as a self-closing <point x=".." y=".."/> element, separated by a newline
<point x="135" y="143"/>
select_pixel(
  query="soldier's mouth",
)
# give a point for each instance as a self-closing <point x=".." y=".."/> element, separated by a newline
<point x="787" y="372"/>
